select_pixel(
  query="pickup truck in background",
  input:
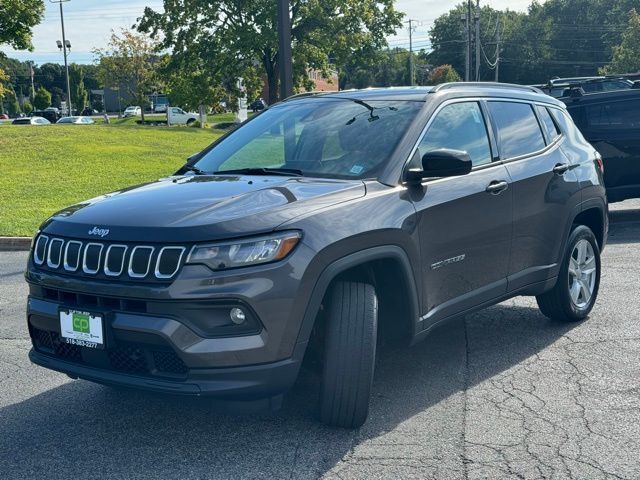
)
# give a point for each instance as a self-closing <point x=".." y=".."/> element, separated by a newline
<point x="177" y="116"/>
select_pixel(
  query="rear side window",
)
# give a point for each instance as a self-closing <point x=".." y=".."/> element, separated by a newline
<point x="614" y="115"/>
<point x="566" y="123"/>
<point x="518" y="129"/>
<point x="459" y="126"/>
<point x="550" y="128"/>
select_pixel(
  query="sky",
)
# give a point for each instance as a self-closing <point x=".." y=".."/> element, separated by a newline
<point x="88" y="24"/>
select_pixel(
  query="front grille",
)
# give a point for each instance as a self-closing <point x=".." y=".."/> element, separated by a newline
<point x="135" y="359"/>
<point x="108" y="260"/>
<point x="84" y="301"/>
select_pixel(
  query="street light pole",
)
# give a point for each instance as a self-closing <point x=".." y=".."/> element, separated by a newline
<point x="64" y="49"/>
<point x="285" y="62"/>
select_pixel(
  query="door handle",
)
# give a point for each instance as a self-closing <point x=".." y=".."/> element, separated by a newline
<point x="560" y="168"/>
<point x="497" y="187"/>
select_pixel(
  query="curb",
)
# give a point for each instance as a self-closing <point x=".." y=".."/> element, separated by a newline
<point x="14" y="244"/>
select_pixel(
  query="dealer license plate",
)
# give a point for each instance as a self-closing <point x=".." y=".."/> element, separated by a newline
<point x="84" y="329"/>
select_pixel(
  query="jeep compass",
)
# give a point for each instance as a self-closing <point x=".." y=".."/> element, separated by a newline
<point x="322" y="226"/>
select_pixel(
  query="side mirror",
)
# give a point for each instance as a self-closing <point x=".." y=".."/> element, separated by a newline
<point x="636" y="84"/>
<point x="441" y="163"/>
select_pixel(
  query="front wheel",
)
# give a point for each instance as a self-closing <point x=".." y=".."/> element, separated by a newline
<point x="576" y="290"/>
<point x="349" y="354"/>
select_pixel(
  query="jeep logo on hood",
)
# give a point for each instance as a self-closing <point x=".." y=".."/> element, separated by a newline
<point x="101" y="232"/>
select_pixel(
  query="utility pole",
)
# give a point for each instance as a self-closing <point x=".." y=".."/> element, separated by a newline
<point x="284" y="50"/>
<point x="65" y="45"/>
<point x="498" y="50"/>
<point x="477" y="20"/>
<point x="411" y="66"/>
<point x="469" y="40"/>
<point x="465" y="22"/>
<point x="33" y="89"/>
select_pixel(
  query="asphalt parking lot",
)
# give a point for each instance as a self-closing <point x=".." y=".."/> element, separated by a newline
<point x="504" y="393"/>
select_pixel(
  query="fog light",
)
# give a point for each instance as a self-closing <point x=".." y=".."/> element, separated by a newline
<point x="237" y="316"/>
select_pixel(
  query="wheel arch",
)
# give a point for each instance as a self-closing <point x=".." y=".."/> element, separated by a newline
<point x="369" y="265"/>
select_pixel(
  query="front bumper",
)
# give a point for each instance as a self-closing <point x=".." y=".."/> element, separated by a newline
<point x="241" y="383"/>
<point x="157" y="337"/>
<point x="157" y="354"/>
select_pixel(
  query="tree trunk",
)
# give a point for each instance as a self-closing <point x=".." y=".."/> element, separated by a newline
<point x="271" y="69"/>
<point x="202" y="112"/>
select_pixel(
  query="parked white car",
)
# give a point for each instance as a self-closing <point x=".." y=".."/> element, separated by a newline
<point x="177" y="116"/>
<point x="31" y="121"/>
<point x="77" y="120"/>
<point x="133" y="111"/>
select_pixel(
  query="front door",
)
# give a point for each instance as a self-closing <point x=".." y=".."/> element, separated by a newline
<point x="464" y="222"/>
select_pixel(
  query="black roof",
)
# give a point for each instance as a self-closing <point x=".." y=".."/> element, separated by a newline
<point x="600" y="97"/>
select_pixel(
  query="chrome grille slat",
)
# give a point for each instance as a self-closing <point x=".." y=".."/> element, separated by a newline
<point x="39" y="260"/>
<point x="139" y="262"/>
<point x="86" y="269"/>
<point x="50" y="263"/>
<point x="67" y="264"/>
<point x="133" y="274"/>
<point x="113" y="273"/>
<point x="157" y="271"/>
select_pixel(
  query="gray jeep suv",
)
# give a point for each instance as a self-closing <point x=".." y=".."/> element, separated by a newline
<point x="322" y="226"/>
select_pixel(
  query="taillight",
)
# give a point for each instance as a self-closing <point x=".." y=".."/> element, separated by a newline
<point x="600" y="162"/>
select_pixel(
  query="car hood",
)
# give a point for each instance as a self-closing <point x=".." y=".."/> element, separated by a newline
<point x="203" y="207"/>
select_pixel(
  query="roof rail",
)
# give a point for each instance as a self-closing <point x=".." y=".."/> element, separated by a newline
<point x="302" y="95"/>
<point x="509" y="86"/>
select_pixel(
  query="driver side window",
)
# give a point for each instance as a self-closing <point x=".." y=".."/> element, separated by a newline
<point x="459" y="126"/>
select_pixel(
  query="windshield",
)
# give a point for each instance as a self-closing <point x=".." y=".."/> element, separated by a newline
<point x="329" y="137"/>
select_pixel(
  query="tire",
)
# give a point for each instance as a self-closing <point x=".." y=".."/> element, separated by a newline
<point x="190" y="121"/>
<point x="559" y="303"/>
<point x="349" y="354"/>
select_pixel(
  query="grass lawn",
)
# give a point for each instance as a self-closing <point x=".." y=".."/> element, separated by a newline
<point x="47" y="168"/>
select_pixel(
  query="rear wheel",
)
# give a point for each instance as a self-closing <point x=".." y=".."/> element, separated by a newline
<point x="576" y="290"/>
<point x="349" y="354"/>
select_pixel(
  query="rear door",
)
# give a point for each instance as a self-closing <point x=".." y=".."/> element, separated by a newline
<point x="464" y="222"/>
<point x="545" y="188"/>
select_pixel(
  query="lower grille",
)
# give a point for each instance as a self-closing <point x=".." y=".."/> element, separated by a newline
<point x="50" y="342"/>
<point x="128" y="359"/>
<point x="169" y="362"/>
<point x="125" y="358"/>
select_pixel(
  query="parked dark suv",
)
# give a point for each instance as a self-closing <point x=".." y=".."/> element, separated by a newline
<point x="611" y="123"/>
<point x="321" y="226"/>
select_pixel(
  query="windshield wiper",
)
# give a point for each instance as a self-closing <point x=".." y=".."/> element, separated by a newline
<point x="194" y="169"/>
<point x="287" y="172"/>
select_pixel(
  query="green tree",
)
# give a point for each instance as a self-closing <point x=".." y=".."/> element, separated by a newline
<point x="228" y="36"/>
<point x="555" y="38"/>
<point x="79" y="95"/>
<point x="129" y="62"/>
<point x="13" y="107"/>
<point x="17" y="18"/>
<point x="443" y="74"/>
<point x="626" y="56"/>
<point x="27" y="107"/>
<point x="42" y="99"/>
<point x="4" y="78"/>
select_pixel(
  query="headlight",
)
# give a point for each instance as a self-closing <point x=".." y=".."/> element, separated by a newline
<point x="242" y="253"/>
